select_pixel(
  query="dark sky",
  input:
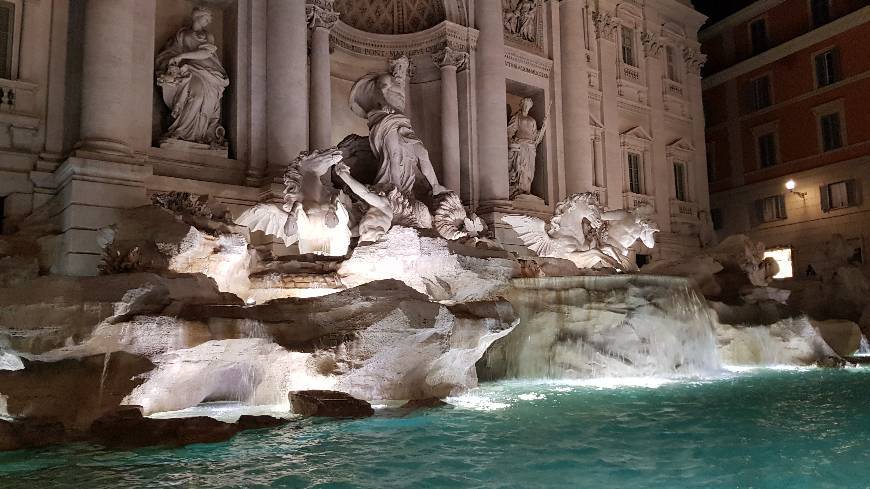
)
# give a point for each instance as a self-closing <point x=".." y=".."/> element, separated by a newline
<point x="719" y="9"/>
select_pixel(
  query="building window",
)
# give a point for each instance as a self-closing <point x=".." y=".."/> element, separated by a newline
<point x="716" y="217"/>
<point x="770" y="208"/>
<point x="832" y="137"/>
<point x="7" y="32"/>
<point x="760" y="92"/>
<point x="857" y="257"/>
<point x="711" y="162"/>
<point x="628" y="55"/>
<point x="782" y="256"/>
<point x="673" y="70"/>
<point x="821" y="10"/>
<point x="635" y="173"/>
<point x="680" y="181"/>
<point x="839" y="195"/>
<point x="758" y="35"/>
<point x="827" y="71"/>
<point x="767" y="150"/>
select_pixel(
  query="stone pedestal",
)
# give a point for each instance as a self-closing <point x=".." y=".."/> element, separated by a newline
<point x="91" y="192"/>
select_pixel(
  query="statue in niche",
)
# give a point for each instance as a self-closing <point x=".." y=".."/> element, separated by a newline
<point x="314" y="215"/>
<point x="591" y="237"/>
<point x="521" y="18"/>
<point x="380" y="99"/>
<point x="193" y="81"/>
<point x="524" y="136"/>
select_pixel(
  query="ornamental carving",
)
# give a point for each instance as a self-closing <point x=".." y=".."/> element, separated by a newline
<point x="652" y="46"/>
<point x="695" y="59"/>
<point x="391" y="16"/>
<point x="521" y="19"/>
<point x="321" y="13"/>
<point x="449" y="57"/>
<point x="605" y="25"/>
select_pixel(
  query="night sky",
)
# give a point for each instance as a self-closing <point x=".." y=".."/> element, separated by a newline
<point x="719" y="9"/>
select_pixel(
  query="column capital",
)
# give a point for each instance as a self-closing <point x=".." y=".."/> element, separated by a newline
<point x="321" y="14"/>
<point x="448" y="57"/>
<point x="605" y="25"/>
<point x="695" y="59"/>
<point x="652" y="45"/>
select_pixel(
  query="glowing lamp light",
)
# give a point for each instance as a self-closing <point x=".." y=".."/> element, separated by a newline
<point x="790" y="186"/>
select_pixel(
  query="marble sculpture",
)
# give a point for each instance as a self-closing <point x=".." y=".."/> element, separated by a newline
<point x="380" y="99"/>
<point x="583" y="232"/>
<point x="521" y="18"/>
<point x="524" y="136"/>
<point x="321" y="218"/>
<point x="193" y="81"/>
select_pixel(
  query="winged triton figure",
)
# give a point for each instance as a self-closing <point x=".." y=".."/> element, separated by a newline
<point x="314" y="215"/>
<point x="582" y="232"/>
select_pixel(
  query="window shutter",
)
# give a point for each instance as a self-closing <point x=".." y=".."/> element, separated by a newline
<point x="825" y="198"/>
<point x="756" y="214"/>
<point x="820" y="70"/>
<point x="7" y="16"/>
<point x="835" y="65"/>
<point x="853" y="190"/>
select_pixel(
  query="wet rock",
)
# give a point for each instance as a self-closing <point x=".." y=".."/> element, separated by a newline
<point x="844" y="337"/>
<point x="831" y="362"/>
<point x="126" y="427"/>
<point x="72" y="391"/>
<point x="789" y="341"/>
<point x="329" y="404"/>
<point x="31" y="433"/>
<point x="252" y="422"/>
<point x="429" y="403"/>
<point x="430" y="265"/>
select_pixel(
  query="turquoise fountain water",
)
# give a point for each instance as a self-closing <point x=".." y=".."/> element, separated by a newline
<point x="762" y="428"/>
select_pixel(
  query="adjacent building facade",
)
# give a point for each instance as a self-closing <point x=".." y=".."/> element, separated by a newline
<point x="787" y="92"/>
<point x="85" y="116"/>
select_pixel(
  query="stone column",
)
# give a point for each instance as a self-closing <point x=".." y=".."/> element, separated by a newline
<point x="605" y="33"/>
<point x="694" y="62"/>
<point x="286" y="83"/>
<point x="491" y="101"/>
<point x="321" y="18"/>
<point x="107" y="74"/>
<point x="579" y="173"/>
<point x="662" y="168"/>
<point x="450" y="61"/>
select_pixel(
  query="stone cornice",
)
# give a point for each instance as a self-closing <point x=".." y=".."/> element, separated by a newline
<point x="527" y="62"/>
<point x="428" y="42"/>
<point x="776" y="53"/>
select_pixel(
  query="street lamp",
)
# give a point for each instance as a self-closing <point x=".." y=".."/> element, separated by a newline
<point x="790" y="186"/>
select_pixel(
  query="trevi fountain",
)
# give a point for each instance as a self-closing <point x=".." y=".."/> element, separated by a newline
<point x="365" y="325"/>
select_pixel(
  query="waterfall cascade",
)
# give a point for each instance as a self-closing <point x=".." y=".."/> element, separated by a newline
<point x="581" y="327"/>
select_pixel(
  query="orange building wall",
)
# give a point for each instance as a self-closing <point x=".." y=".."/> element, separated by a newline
<point x="794" y="96"/>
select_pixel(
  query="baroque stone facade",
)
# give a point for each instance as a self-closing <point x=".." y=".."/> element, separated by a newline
<point x="86" y="112"/>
